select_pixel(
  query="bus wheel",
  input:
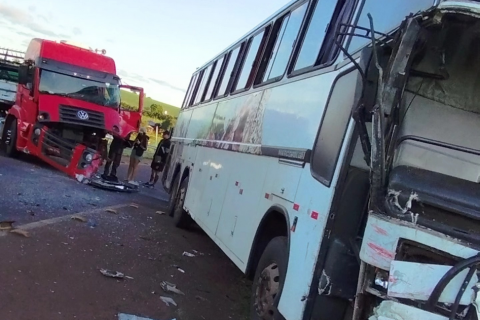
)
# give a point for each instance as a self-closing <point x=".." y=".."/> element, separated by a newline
<point x="181" y="218"/>
<point x="173" y="197"/>
<point x="269" y="279"/>
<point x="10" y="137"/>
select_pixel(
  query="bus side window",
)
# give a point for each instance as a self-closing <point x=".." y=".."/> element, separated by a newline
<point x="215" y="76"/>
<point x="191" y="89"/>
<point x="315" y="35"/>
<point x="385" y="17"/>
<point x="228" y="73"/>
<point x="203" y="83"/>
<point x="280" y="46"/>
<point x="343" y="98"/>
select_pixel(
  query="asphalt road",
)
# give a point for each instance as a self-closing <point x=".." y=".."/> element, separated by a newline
<point x="55" y="272"/>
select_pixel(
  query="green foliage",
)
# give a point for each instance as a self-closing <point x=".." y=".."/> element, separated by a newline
<point x="131" y="99"/>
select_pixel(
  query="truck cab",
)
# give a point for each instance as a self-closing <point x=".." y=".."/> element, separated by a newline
<point x="68" y="99"/>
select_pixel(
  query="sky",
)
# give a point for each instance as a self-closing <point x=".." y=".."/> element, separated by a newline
<point x="157" y="44"/>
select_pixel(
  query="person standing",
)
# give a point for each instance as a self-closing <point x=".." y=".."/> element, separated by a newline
<point x="159" y="159"/>
<point x="114" y="158"/>
<point x="139" y="146"/>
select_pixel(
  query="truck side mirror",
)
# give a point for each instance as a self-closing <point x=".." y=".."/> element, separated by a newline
<point x="24" y="74"/>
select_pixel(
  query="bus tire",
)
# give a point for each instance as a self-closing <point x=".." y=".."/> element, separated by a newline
<point x="173" y="196"/>
<point x="10" y="138"/>
<point x="268" y="281"/>
<point x="181" y="218"/>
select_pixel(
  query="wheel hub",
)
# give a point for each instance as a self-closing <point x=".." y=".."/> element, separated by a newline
<point x="268" y="285"/>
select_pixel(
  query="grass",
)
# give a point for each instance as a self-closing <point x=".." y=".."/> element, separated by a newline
<point x="132" y="99"/>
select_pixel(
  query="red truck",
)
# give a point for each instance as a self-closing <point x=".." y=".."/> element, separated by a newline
<point x="68" y="99"/>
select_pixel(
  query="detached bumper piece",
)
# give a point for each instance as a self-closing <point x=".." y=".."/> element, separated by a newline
<point x="112" y="186"/>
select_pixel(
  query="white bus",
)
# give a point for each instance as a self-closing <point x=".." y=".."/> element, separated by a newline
<point x="277" y="157"/>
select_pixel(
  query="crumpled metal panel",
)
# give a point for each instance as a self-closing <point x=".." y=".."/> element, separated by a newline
<point x="416" y="281"/>
<point x="390" y="310"/>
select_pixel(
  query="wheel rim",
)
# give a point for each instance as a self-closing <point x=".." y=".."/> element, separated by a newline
<point x="268" y="285"/>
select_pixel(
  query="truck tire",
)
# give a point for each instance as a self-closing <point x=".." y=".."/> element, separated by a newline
<point x="10" y="138"/>
<point x="268" y="281"/>
<point x="181" y="218"/>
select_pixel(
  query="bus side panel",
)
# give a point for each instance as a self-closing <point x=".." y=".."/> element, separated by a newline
<point x="245" y="190"/>
<point x="198" y="179"/>
<point x="217" y="179"/>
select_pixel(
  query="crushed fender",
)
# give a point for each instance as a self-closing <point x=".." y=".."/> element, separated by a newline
<point x="112" y="185"/>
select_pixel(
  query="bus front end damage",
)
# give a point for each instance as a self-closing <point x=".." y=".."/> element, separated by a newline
<point x="420" y="248"/>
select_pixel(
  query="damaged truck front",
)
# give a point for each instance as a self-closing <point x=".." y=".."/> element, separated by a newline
<point x="420" y="129"/>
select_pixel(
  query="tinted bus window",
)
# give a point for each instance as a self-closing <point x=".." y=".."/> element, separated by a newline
<point x="201" y="87"/>
<point x="188" y="97"/>
<point x="249" y="63"/>
<point x="287" y="35"/>
<point x="315" y="35"/>
<point x="216" y="71"/>
<point x="385" y="17"/>
<point x="228" y="71"/>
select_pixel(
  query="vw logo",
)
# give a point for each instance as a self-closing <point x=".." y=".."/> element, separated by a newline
<point x="82" y="115"/>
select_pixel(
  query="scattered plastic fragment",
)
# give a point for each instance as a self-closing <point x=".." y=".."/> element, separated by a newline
<point x="188" y="254"/>
<point x="197" y="253"/>
<point x="170" y="287"/>
<point x="181" y="270"/>
<point x="92" y="224"/>
<point x="79" y="177"/>
<point x="21" y="232"/>
<point x="160" y="212"/>
<point x="124" y="316"/>
<point x="168" y="301"/>
<point x="133" y="205"/>
<point x="6" y="225"/>
<point x="114" y="274"/>
<point x="111" y="211"/>
<point x="79" y="218"/>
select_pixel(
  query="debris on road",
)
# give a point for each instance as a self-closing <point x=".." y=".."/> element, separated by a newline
<point x="114" y="274"/>
<point x="134" y="205"/>
<point x="124" y="316"/>
<point x="197" y="253"/>
<point x="160" y="212"/>
<point x="6" y="225"/>
<point x="21" y="232"/>
<point x="111" y="211"/>
<point x="79" y="218"/>
<point x="188" y="254"/>
<point x="168" y="301"/>
<point x="170" y="287"/>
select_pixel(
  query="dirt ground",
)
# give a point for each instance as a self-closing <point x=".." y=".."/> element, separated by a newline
<point x="55" y="272"/>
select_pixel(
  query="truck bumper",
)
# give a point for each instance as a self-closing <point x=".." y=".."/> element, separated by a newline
<point x="64" y="156"/>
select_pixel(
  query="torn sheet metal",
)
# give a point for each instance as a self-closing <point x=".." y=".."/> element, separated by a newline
<point x="390" y="310"/>
<point x="416" y="281"/>
<point x="124" y="316"/>
<point x="382" y="235"/>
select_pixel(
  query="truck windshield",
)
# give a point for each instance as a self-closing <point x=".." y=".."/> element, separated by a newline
<point x="101" y="93"/>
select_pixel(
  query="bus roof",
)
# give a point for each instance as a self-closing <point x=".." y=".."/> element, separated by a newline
<point x="67" y="53"/>
<point x="264" y="22"/>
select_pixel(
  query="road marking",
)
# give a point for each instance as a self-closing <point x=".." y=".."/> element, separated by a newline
<point x="46" y="222"/>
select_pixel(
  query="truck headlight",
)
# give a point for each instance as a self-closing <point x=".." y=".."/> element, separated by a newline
<point x="89" y="157"/>
<point x="37" y="131"/>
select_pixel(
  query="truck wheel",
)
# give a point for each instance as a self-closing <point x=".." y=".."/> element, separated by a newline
<point x="181" y="217"/>
<point x="10" y="137"/>
<point x="268" y="280"/>
<point x="173" y="196"/>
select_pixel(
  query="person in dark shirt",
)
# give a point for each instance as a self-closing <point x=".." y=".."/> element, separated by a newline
<point x="159" y="159"/>
<point x="114" y="157"/>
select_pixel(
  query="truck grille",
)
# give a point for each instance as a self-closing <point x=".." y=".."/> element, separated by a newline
<point x="73" y="115"/>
